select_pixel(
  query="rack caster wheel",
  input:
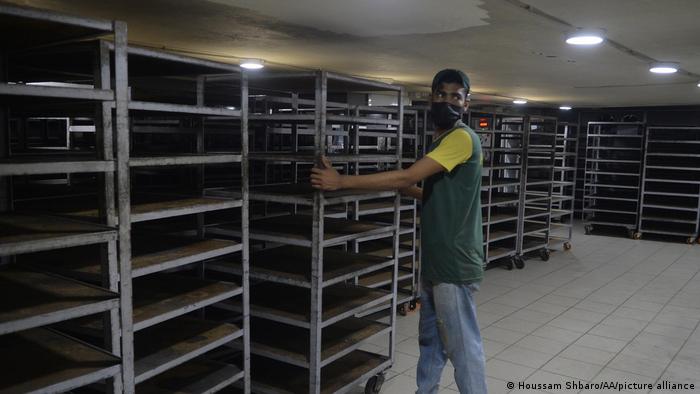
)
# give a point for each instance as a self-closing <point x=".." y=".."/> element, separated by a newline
<point x="637" y="236"/>
<point x="545" y="254"/>
<point x="412" y="305"/>
<point x="403" y="309"/>
<point x="509" y="264"/>
<point x="374" y="384"/>
<point x="588" y="229"/>
<point x="518" y="262"/>
<point x="567" y="246"/>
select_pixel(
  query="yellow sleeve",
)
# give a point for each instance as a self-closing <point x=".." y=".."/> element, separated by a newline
<point x="455" y="149"/>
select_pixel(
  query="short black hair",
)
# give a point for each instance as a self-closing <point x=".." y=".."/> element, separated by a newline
<point x="450" y="75"/>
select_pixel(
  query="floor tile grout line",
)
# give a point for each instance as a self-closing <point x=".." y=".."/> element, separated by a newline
<point x="623" y="273"/>
<point x="649" y="322"/>
<point x="568" y="308"/>
<point x="697" y="327"/>
<point x="557" y="354"/>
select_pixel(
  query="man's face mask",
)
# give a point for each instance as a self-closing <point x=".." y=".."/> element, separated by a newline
<point x="445" y="115"/>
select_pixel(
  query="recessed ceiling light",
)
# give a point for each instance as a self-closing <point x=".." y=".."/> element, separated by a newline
<point x="664" y="67"/>
<point x="699" y="84"/>
<point x="585" y="37"/>
<point x="519" y="101"/>
<point x="252" y="64"/>
<point x="565" y="108"/>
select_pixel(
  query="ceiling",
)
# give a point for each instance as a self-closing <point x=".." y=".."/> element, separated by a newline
<point x="510" y="48"/>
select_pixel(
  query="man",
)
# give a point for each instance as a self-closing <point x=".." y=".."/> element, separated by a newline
<point x="452" y="250"/>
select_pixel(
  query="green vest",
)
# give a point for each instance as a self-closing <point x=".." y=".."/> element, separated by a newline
<point x="451" y="227"/>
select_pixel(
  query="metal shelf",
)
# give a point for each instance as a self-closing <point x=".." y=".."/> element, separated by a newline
<point x="501" y="199"/>
<point x="293" y="308"/>
<point x="385" y="248"/>
<point x="291" y="265"/>
<point x="500" y="235"/>
<point x="612" y="219"/>
<point x="311" y="158"/>
<point x="613" y="135"/>
<point x="281" y="378"/>
<point x="177" y="341"/>
<point x="302" y="193"/>
<point x="193" y="377"/>
<point x="25" y="233"/>
<point x="85" y="93"/>
<point x="531" y="243"/>
<point x="558" y="213"/>
<point x="498" y="252"/>
<point x="296" y="230"/>
<point x="182" y="109"/>
<point x="500" y="218"/>
<point x="65" y="165"/>
<point x="165" y="160"/>
<point x="179" y="207"/>
<point x="667" y="218"/>
<point x="668" y="229"/>
<point x="535" y="211"/>
<point x="150" y="255"/>
<point x="380" y="279"/>
<point x="371" y="208"/>
<point x="290" y="344"/>
<point x="196" y="251"/>
<point x="620" y="148"/>
<point x="32" y="299"/>
<point x="41" y="360"/>
<point x="161" y="297"/>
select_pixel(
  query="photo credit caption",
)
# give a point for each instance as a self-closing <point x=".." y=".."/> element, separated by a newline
<point x="605" y="385"/>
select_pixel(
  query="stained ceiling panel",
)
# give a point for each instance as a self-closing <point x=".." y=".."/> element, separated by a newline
<point x="507" y="50"/>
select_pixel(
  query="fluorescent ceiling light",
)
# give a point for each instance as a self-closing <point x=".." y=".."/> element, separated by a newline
<point x="231" y="108"/>
<point x="565" y="108"/>
<point x="519" y="101"/>
<point x="664" y="67"/>
<point x="252" y="64"/>
<point x="585" y="37"/>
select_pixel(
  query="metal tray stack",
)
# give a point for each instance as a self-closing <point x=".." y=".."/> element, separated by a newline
<point x="613" y="176"/>
<point x="162" y="158"/>
<point x="185" y="137"/>
<point x="538" y="183"/>
<point x="502" y="142"/>
<point x="36" y="356"/>
<point x="671" y="183"/>
<point x="382" y="211"/>
<point x="580" y="171"/>
<point x="305" y="303"/>
<point x="425" y="132"/>
<point x="564" y="187"/>
<point x="425" y="127"/>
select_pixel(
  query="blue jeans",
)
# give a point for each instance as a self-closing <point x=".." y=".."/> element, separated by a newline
<point x="448" y="330"/>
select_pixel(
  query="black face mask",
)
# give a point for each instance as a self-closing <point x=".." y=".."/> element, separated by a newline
<point x="445" y="115"/>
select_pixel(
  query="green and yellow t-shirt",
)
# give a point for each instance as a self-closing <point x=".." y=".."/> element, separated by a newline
<point x="451" y="227"/>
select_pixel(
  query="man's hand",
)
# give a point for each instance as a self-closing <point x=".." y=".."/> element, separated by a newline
<point x="325" y="177"/>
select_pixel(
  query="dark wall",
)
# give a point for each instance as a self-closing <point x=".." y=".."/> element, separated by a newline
<point x="653" y="116"/>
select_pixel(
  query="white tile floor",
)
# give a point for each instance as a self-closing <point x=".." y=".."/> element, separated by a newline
<point x="611" y="309"/>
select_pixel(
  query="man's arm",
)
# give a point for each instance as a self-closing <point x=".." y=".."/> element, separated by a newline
<point x="413" y="192"/>
<point x="328" y="178"/>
